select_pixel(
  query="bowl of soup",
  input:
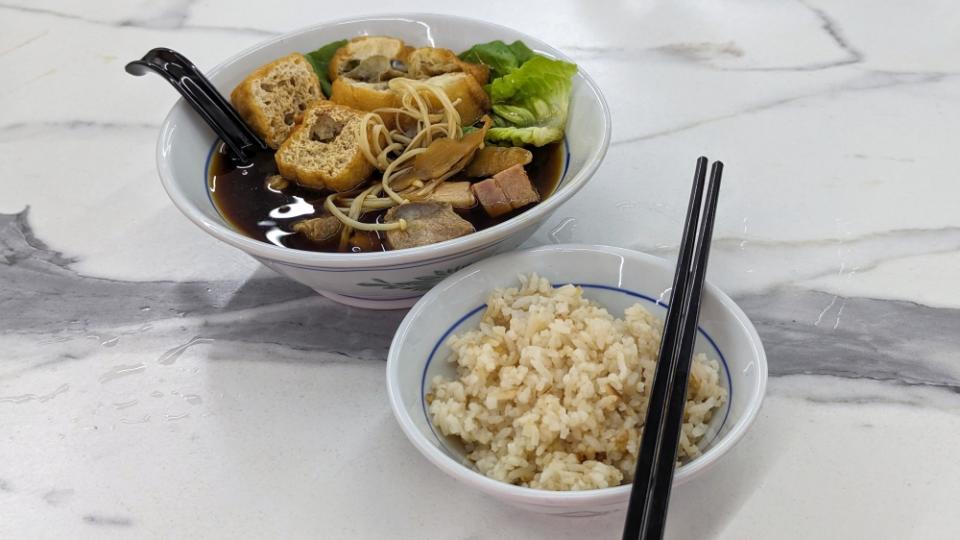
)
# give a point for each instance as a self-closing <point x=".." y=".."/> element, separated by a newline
<point x="452" y="141"/>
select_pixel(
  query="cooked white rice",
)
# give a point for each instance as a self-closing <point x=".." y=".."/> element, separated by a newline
<point x="552" y="390"/>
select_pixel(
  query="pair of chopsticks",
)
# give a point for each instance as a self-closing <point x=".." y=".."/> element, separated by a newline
<point x="647" y="511"/>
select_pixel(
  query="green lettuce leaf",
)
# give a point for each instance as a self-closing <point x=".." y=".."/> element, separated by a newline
<point x="498" y="56"/>
<point x="530" y="103"/>
<point x="320" y="60"/>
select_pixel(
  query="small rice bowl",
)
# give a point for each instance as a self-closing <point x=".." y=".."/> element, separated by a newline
<point x="551" y="389"/>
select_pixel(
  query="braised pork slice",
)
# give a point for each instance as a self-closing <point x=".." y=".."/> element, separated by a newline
<point x="505" y="191"/>
<point x="517" y="186"/>
<point x="493" y="200"/>
<point x="427" y="223"/>
<point x="458" y="194"/>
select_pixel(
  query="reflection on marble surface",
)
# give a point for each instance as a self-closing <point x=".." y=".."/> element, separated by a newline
<point x="155" y="383"/>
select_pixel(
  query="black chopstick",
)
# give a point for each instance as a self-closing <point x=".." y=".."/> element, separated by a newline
<point x="641" y="503"/>
<point x="656" y="461"/>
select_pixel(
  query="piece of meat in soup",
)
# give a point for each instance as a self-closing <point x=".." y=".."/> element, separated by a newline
<point x="427" y="223"/>
<point x="517" y="186"/>
<point x="458" y="194"/>
<point x="318" y="229"/>
<point x="507" y="190"/>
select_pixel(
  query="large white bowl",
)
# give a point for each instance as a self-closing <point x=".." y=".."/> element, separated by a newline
<point x="617" y="278"/>
<point x="376" y="280"/>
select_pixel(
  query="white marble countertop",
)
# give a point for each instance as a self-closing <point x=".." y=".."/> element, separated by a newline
<point x="157" y="384"/>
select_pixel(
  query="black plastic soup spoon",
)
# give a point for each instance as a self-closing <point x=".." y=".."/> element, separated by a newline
<point x="203" y="97"/>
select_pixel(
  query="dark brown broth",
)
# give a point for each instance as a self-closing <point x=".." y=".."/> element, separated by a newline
<point x="242" y="197"/>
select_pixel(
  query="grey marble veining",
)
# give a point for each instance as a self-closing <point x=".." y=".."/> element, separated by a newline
<point x="37" y="282"/>
<point x="865" y="82"/>
<point x="832" y="29"/>
<point x="822" y="257"/>
<point x="878" y="339"/>
<point x="814" y="333"/>
<point x="170" y="15"/>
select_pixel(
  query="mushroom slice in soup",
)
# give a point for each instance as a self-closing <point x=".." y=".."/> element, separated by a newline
<point x="376" y="69"/>
<point x="446" y="157"/>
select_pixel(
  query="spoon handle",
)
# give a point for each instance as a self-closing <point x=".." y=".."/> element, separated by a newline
<point x="200" y="93"/>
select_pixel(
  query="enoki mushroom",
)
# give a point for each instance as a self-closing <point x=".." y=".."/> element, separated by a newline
<point x="416" y="126"/>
